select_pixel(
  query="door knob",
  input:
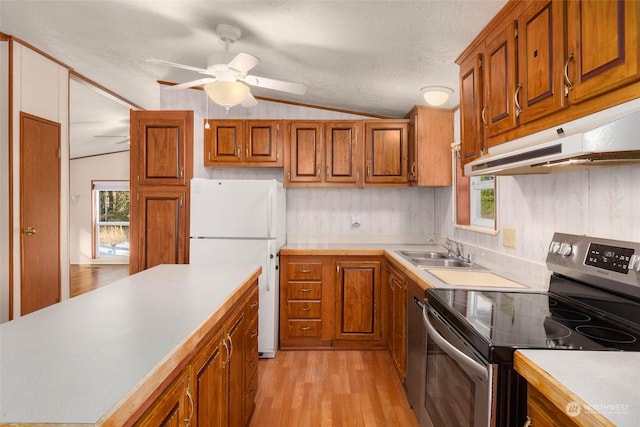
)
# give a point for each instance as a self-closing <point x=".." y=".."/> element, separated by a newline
<point x="29" y="231"/>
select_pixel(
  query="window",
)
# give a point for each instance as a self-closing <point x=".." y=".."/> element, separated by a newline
<point x="475" y="199"/>
<point x="111" y="219"/>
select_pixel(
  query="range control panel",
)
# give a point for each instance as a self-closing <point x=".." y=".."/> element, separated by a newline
<point x="611" y="258"/>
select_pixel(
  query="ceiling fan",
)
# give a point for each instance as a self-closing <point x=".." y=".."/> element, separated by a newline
<point x="228" y="84"/>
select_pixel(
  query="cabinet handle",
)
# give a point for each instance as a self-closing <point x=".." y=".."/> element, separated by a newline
<point x="304" y="271"/>
<point x="528" y="422"/>
<point x="413" y="169"/>
<point x="254" y="304"/>
<point x="254" y="362"/>
<point x="305" y="309"/>
<point x="357" y="176"/>
<point x="254" y="333"/>
<point x="209" y="155"/>
<point x="567" y="82"/>
<point x="327" y="171"/>
<point x="318" y="173"/>
<point x="304" y="290"/>
<point x="226" y="347"/>
<point x="253" y="392"/>
<point x="187" y="421"/>
<point x="230" y="346"/>
<point x="515" y="100"/>
<point x="484" y="119"/>
<point x="305" y="328"/>
<point x="235" y="149"/>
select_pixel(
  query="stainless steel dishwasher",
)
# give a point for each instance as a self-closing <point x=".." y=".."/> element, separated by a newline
<point x="416" y="351"/>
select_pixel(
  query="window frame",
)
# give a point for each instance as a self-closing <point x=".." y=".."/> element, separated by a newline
<point x="96" y="187"/>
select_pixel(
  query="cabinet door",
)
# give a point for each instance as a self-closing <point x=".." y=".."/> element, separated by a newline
<point x="472" y="109"/>
<point x="160" y="145"/>
<point x="304" y="160"/>
<point x="541" y="60"/>
<point x="223" y="142"/>
<point x="342" y="155"/>
<point x="500" y="80"/>
<point x="358" y="300"/>
<point x="210" y="378"/>
<point x="430" y="135"/>
<point x="387" y="152"/>
<point x="160" y="228"/>
<point x="263" y="144"/>
<point x="603" y="45"/>
<point x="171" y="408"/>
<point x="235" y="335"/>
<point x="400" y="324"/>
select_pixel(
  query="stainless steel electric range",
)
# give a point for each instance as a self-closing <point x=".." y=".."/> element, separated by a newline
<point x="593" y="303"/>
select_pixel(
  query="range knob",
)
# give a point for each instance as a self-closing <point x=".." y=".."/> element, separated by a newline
<point x="634" y="262"/>
<point x="554" y="247"/>
<point x="565" y="249"/>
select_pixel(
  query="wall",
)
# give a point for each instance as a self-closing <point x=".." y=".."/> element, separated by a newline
<point x="318" y="215"/>
<point x="108" y="167"/>
<point x="602" y="202"/>
<point x="4" y="182"/>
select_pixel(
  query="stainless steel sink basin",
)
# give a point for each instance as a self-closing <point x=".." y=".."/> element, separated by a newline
<point x="427" y="260"/>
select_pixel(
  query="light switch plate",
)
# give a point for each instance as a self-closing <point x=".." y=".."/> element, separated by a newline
<point x="509" y="237"/>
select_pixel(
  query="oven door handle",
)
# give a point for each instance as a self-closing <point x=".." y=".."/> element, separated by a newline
<point x="467" y="363"/>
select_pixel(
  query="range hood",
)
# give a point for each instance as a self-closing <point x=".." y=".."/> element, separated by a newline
<point x="607" y="138"/>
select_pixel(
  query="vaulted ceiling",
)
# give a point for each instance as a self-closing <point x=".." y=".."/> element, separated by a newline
<point x="363" y="56"/>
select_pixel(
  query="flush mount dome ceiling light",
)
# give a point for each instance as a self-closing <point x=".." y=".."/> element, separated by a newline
<point x="436" y="95"/>
<point x="227" y="94"/>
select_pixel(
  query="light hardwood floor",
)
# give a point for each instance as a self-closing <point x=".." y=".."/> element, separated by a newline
<point x="86" y="277"/>
<point x="330" y="388"/>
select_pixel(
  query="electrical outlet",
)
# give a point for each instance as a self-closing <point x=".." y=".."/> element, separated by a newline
<point x="509" y="237"/>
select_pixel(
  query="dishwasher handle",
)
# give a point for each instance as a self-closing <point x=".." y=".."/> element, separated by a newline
<point x="465" y="361"/>
<point x="419" y="303"/>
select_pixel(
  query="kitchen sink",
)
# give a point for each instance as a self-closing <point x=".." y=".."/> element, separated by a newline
<point x="428" y="260"/>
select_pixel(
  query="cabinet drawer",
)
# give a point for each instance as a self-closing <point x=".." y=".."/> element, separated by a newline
<point x="250" y="400"/>
<point x="251" y="309"/>
<point x="304" y="290"/>
<point x="304" y="271"/>
<point x="305" y="328"/>
<point x="304" y="309"/>
<point x="251" y="339"/>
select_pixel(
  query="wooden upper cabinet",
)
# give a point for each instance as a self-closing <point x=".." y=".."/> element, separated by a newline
<point x="541" y="60"/>
<point x="603" y="44"/>
<point x="161" y="140"/>
<point x="472" y="108"/>
<point x="242" y="143"/>
<point x="343" y="156"/>
<point x="430" y="132"/>
<point x="500" y="68"/>
<point x="303" y="163"/>
<point x="223" y="142"/>
<point x="386" y="152"/>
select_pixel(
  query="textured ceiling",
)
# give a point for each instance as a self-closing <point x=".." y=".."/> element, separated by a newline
<point x="363" y="56"/>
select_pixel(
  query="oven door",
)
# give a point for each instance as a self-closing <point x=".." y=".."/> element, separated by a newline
<point x="459" y="382"/>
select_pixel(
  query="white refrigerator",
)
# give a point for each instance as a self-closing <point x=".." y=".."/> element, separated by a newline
<point x="242" y="222"/>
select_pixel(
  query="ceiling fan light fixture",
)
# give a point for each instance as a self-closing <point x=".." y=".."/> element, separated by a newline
<point x="436" y="95"/>
<point x="227" y="94"/>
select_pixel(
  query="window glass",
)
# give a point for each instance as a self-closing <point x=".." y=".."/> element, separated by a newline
<point x="111" y="214"/>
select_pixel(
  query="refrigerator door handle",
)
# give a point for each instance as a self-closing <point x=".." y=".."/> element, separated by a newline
<point x="267" y="274"/>
<point x="270" y="213"/>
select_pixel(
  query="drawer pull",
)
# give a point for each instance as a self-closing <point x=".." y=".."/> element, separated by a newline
<point x="253" y="393"/>
<point x="305" y="309"/>
<point x="253" y="363"/>
<point x="305" y="328"/>
<point x="304" y="290"/>
<point x="254" y="333"/>
<point x="304" y="271"/>
<point x="254" y="304"/>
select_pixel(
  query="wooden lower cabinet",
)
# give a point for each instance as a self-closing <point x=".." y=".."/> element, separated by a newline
<point x="396" y="287"/>
<point x="212" y="389"/>
<point x="542" y="413"/>
<point x="329" y="301"/>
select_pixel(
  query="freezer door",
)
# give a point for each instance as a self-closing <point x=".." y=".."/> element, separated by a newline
<point x="234" y="208"/>
<point x="230" y="253"/>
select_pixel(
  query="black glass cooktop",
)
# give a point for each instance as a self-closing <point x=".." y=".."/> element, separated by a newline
<point x="497" y="322"/>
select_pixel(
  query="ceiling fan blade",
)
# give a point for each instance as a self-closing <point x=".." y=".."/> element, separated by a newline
<point x="249" y="101"/>
<point x="281" y="85"/>
<point x="243" y="62"/>
<point x="192" y="83"/>
<point x="123" y="141"/>
<point x="173" y="64"/>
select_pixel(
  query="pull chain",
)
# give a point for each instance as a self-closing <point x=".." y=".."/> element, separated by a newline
<point x="206" y="125"/>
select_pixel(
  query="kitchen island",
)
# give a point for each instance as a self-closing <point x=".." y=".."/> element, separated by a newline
<point x="103" y="357"/>
<point x="588" y="388"/>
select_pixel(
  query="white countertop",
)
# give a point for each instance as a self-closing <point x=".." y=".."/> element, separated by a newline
<point x="606" y="381"/>
<point x="73" y="361"/>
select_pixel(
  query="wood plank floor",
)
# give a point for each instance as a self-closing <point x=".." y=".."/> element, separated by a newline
<point x="86" y="277"/>
<point x="330" y="388"/>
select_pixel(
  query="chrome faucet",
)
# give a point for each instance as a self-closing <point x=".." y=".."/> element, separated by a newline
<point x="458" y="252"/>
